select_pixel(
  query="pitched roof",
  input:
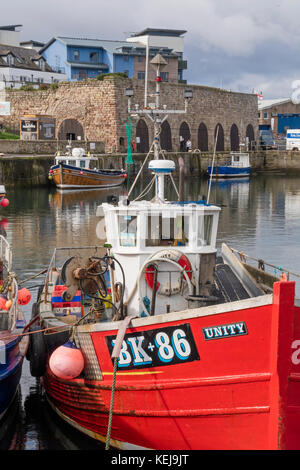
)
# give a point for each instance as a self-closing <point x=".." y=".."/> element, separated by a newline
<point x="26" y="58"/>
<point x="264" y="104"/>
<point x="110" y="46"/>
<point x="113" y="47"/>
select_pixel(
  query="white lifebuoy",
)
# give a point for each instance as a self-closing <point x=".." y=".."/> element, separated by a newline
<point x="176" y="257"/>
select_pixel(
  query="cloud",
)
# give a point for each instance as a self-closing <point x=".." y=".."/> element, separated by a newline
<point x="234" y="43"/>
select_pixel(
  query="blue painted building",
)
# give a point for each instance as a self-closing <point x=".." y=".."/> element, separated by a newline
<point x="82" y="58"/>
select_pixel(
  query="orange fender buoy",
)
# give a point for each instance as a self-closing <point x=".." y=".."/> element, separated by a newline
<point x="8" y="304"/>
<point x="67" y="361"/>
<point x="24" y="296"/>
<point x="3" y="301"/>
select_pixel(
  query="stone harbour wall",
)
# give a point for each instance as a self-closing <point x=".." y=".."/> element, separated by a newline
<point x="101" y="108"/>
<point x="33" y="170"/>
<point x="45" y="147"/>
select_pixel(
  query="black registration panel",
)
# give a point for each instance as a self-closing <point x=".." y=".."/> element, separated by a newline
<point x="159" y="347"/>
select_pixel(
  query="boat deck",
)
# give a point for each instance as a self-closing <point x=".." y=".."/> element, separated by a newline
<point x="6" y="337"/>
<point x="228" y="286"/>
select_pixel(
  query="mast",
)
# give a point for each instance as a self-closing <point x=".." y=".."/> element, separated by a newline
<point x="156" y="113"/>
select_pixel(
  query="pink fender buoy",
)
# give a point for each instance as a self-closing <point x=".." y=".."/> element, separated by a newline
<point x="24" y="296"/>
<point x="4" y="202"/>
<point x="67" y="361"/>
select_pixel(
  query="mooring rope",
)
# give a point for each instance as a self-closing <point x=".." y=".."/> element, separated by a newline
<point x="113" y="387"/>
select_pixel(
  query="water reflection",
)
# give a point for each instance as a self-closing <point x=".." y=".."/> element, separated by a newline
<point x="259" y="216"/>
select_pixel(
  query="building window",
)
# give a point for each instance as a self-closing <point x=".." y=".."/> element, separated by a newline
<point x="94" y="57"/>
<point x="141" y="75"/>
<point x="76" y="55"/>
<point x="126" y="58"/>
<point x="164" y="76"/>
<point x="140" y="58"/>
<point x="10" y="59"/>
<point x="266" y="115"/>
<point x="41" y="64"/>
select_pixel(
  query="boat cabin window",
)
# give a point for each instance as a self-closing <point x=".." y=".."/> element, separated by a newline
<point x="93" y="164"/>
<point x="171" y="230"/>
<point x="236" y="158"/>
<point x="127" y="229"/>
<point x="204" y="229"/>
<point x="71" y="162"/>
<point x="82" y="163"/>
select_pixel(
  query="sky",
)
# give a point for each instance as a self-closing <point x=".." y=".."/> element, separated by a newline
<point x="242" y="45"/>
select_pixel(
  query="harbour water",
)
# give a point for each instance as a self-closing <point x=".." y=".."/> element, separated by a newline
<point x="260" y="216"/>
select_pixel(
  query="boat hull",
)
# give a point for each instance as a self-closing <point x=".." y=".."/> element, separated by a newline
<point x="229" y="172"/>
<point x="70" y="177"/>
<point x="10" y="372"/>
<point x="213" y="378"/>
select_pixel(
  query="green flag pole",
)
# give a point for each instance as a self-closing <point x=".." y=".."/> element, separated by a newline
<point x="129" y="160"/>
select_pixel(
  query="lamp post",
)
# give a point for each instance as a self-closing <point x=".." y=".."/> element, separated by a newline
<point x="154" y="113"/>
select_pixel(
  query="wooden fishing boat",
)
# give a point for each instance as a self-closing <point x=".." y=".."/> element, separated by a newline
<point x="77" y="170"/>
<point x="12" y="323"/>
<point x="152" y="341"/>
<point x="237" y="167"/>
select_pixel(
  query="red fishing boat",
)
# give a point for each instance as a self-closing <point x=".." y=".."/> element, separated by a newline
<point x="155" y="342"/>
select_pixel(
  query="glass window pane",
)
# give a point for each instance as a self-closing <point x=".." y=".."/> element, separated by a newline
<point x="204" y="229"/>
<point x="127" y="230"/>
<point x="167" y="231"/>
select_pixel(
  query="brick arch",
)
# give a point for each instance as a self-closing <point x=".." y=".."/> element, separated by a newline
<point x="143" y="136"/>
<point x="184" y="131"/>
<point x="202" y="137"/>
<point x="250" y="134"/>
<point x="70" y="129"/>
<point x="234" y="138"/>
<point x="166" y="136"/>
<point x="220" y="140"/>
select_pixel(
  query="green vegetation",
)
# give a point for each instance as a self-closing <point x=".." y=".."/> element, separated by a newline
<point x="8" y="135"/>
<point x="54" y="86"/>
<point x="115" y="74"/>
<point x="26" y="87"/>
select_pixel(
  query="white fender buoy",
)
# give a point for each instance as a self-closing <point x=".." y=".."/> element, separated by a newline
<point x="67" y="361"/>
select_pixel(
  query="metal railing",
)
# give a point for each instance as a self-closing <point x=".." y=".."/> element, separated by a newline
<point x="261" y="264"/>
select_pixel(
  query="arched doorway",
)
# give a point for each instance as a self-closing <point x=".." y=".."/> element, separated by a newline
<point x="220" y="140"/>
<point x="202" y="138"/>
<point x="250" y="136"/>
<point x="166" y="136"/>
<point x="184" y="133"/>
<point x="70" y="129"/>
<point x="142" y="137"/>
<point x="234" y="138"/>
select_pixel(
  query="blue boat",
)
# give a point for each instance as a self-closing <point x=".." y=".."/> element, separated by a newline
<point x="238" y="167"/>
<point x="12" y="322"/>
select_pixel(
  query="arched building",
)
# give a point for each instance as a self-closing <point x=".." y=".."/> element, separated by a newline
<point x="98" y="111"/>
